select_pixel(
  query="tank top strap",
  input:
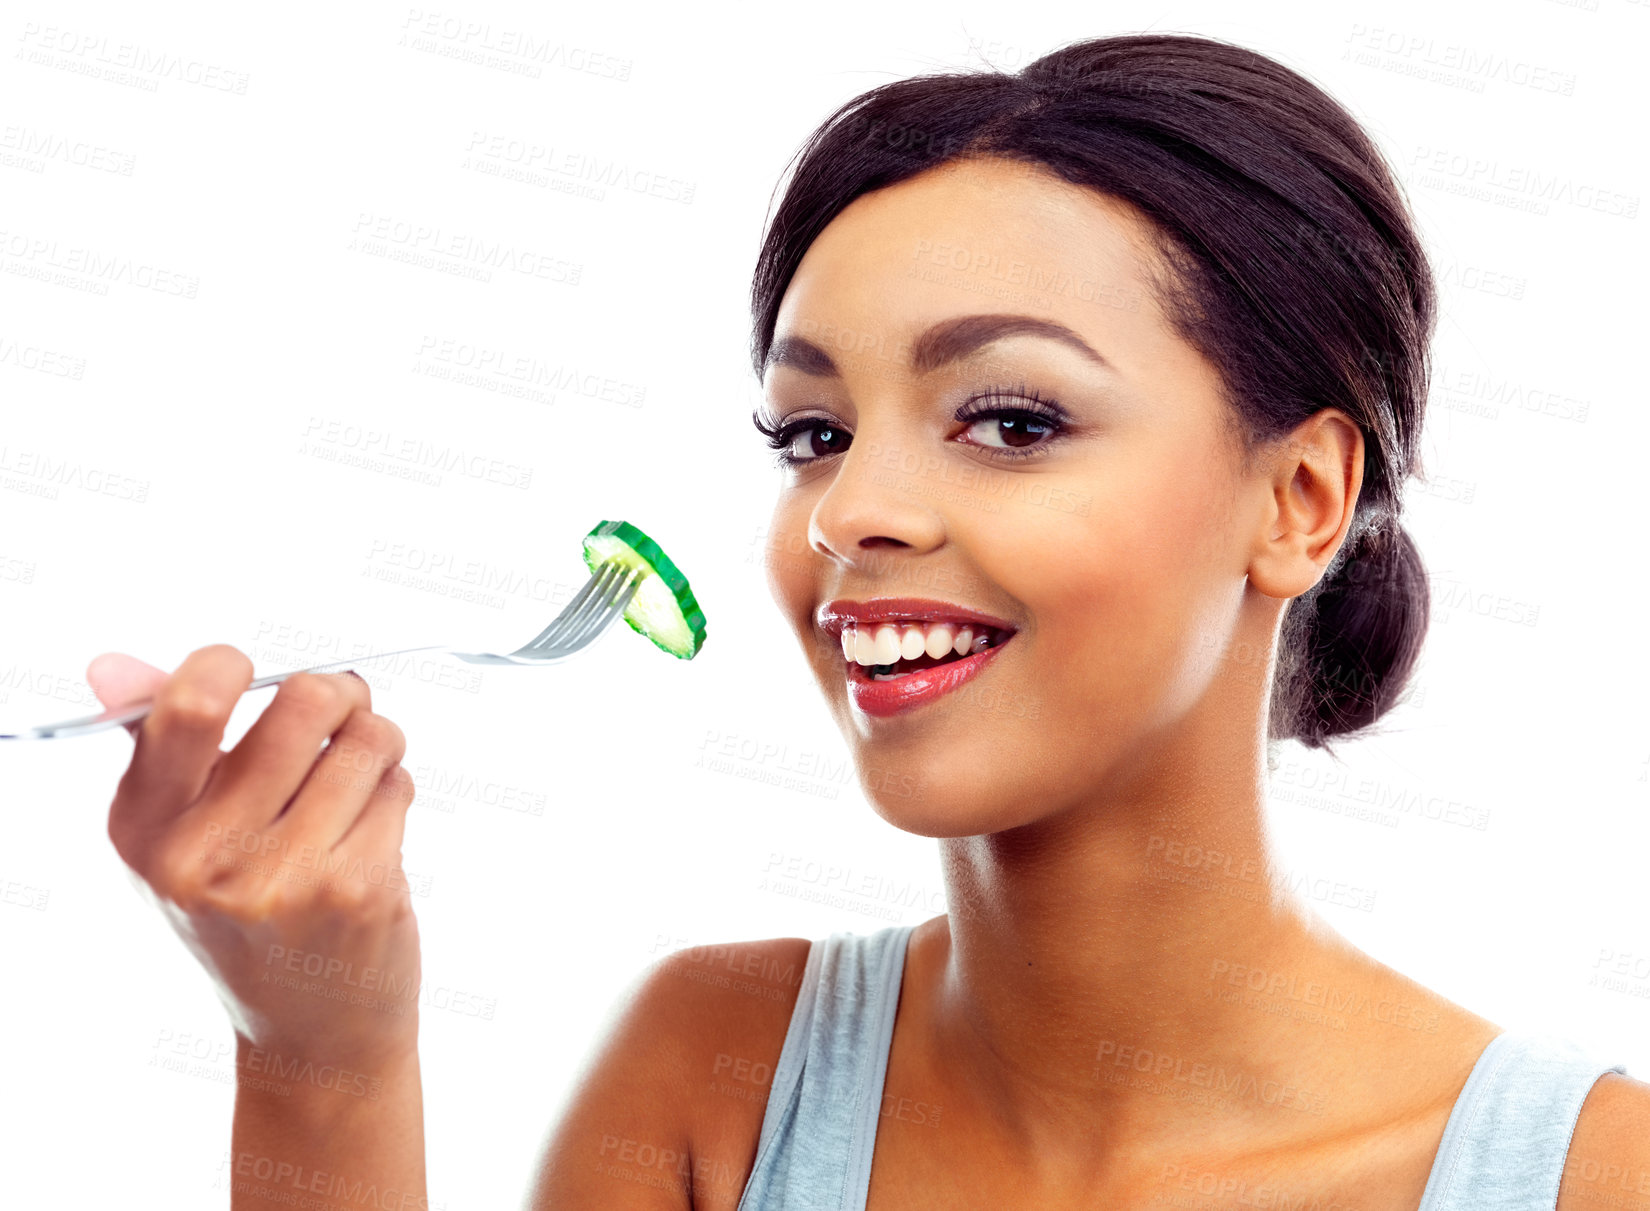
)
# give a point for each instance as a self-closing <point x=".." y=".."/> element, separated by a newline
<point x="819" y="1128"/>
<point x="1507" y="1138"/>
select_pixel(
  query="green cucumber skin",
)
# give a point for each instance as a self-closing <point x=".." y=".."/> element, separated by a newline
<point x="660" y="565"/>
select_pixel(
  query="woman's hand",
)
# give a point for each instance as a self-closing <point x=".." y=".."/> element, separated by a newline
<point x="277" y="862"/>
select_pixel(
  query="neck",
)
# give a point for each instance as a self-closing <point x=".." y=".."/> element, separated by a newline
<point x="1088" y="956"/>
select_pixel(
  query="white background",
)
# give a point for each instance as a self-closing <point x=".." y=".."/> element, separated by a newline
<point x="234" y="415"/>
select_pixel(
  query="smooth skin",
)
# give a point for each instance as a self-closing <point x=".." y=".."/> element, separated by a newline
<point x="1077" y="788"/>
<point x="277" y="864"/>
<point x="1128" y="713"/>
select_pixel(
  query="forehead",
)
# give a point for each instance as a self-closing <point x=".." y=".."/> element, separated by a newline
<point x="976" y="236"/>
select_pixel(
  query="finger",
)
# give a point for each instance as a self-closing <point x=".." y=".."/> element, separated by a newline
<point x="120" y="680"/>
<point x="256" y="779"/>
<point x="381" y="825"/>
<point x="177" y="742"/>
<point x="343" y="779"/>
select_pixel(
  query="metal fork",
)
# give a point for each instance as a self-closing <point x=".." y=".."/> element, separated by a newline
<point x="582" y="620"/>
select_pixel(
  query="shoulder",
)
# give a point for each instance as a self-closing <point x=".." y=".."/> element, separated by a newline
<point x="728" y="1007"/>
<point x="672" y="1095"/>
<point x="1609" y="1157"/>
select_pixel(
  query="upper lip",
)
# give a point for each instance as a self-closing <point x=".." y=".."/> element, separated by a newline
<point x="832" y="616"/>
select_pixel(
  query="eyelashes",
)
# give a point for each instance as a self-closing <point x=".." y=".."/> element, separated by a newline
<point x="1023" y="407"/>
<point x="782" y="436"/>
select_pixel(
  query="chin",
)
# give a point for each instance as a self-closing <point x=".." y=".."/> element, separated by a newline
<point x="925" y="806"/>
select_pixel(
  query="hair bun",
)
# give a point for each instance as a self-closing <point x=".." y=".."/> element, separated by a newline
<point x="1365" y="635"/>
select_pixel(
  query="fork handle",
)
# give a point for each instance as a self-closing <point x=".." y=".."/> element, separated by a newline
<point x="117" y="716"/>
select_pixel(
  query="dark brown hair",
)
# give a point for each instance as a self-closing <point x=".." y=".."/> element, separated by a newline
<point x="1293" y="268"/>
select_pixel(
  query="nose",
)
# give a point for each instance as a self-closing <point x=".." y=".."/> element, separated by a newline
<point x="874" y="504"/>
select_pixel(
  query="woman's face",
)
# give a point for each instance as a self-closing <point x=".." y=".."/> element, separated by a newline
<point x="1114" y="541"/>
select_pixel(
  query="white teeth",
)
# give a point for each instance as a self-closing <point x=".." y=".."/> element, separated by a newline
<point x="886" y="643"/>
<point x="864" y="649"/>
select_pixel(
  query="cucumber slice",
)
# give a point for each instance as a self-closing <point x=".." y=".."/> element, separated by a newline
<point x="664" y="608"/>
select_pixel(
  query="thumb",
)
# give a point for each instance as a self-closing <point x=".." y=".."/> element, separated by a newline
<point x="119" y="680"/>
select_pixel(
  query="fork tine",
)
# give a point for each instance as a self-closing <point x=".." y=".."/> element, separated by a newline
<point x="572" y="621"/>
<point x="560" y="621"/>
<point x="617" y="598"/>
<point x="581" y="626"/>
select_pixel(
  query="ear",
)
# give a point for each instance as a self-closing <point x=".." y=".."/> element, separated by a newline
<point x="1314" y="476"/>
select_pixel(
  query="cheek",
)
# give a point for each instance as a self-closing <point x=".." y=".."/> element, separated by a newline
<point x="1117" y="597"/>
<point x="787" y="560"/>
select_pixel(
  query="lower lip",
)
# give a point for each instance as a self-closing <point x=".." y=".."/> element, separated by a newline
<point x="913" y="690"/>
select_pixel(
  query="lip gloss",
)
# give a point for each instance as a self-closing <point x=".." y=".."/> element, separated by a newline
<point x="903" y="694"/>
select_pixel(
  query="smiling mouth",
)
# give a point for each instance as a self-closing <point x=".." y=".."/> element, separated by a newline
<point x="888" y="651"/>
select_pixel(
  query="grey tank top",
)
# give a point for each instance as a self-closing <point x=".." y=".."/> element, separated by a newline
<point x="1503" y="1148"/>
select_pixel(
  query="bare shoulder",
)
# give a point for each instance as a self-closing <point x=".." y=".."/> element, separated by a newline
<point x="666" y="1112"/>
<point x="1609" y="1156"/>
<point x="744" y="994"/>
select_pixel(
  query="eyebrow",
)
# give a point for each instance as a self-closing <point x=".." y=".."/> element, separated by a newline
<point x="940" y="345"/>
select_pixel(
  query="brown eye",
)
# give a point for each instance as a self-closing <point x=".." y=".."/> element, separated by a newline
<point x="1012" y="422"/>
<point x="819" y="441"/>
<point x="804" y="441"/>
<point x="1011" y="430"/>
<point x="1011" y="433"/>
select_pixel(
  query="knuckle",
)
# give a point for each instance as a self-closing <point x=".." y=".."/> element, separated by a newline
<point x="310" y="693"/>
<point x="230" y="656"/>
<point x="185" y="703"/>
<point x="179" y="874"/>
<point x="379" y="734"/>
<point x="343" y="897"/>
<point x="246" y="901"/>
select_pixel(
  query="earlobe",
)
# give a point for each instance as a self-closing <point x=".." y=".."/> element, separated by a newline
<point x="1316" y="476"/>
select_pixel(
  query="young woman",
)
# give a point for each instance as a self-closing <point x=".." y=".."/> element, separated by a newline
<point x="1097" y="386"/>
